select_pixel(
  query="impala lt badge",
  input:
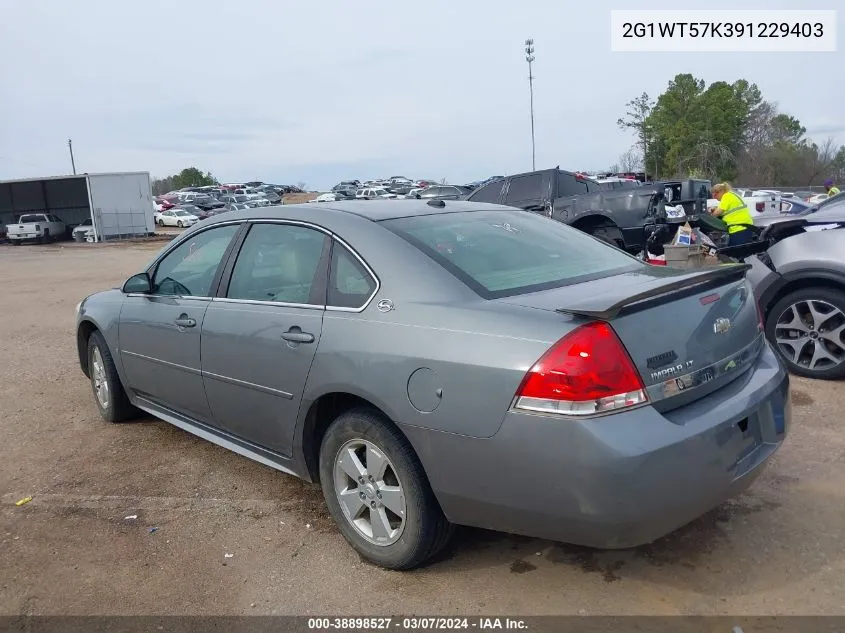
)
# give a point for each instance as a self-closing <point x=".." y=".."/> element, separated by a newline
<point x="677" y="370"/>
<point x="721" y="325"/>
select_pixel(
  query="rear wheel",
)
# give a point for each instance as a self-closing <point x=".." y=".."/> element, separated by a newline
<point x="179" y="223"/>
<point x="608" y="232"/>
<point x="108" y="391"/>
<point x="377" y="492"/>
<point x="47" y="238"/>
<point x="807" y="328"/>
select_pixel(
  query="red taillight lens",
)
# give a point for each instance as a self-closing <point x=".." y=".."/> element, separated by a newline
<point x="761" y="206"/>
<point x="588" y="371"/>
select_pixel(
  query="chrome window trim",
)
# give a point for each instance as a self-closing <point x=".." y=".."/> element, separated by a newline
<point x="278" y="304"/>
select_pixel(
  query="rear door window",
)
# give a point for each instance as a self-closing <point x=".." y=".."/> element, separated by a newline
<point x="278" y="263"/>
<point x="504" y="253"/>
<point x="569" y="185"/>
<point x="524" y="189"/>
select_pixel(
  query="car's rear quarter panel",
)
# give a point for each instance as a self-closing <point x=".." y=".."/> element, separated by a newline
<point x="478" y="352"/>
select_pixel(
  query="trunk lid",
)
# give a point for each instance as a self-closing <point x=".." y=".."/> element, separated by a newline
<point x="688" y="332"/>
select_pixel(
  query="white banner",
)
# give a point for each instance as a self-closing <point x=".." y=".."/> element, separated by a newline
<point x="721" y="31"/>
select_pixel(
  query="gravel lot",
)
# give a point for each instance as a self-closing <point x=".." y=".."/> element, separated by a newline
<point x="777" y="549"/>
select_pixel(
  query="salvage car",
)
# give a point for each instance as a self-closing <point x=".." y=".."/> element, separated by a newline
<point x="799" y="279"/>
<point x="623" y="217"/>
<point x="440" y="363"/>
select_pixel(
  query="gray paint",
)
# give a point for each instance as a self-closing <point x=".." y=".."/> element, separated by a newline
<point x="444" y="365"/>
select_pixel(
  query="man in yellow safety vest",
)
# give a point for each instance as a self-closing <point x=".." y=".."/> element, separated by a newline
<point x="734" y="212"/>
<point x="832" y="190"/>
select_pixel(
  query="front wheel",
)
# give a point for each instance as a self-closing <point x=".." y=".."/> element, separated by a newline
<point x="378" y="494"/>
<point x="807" y="329"/>
<point x="111" y="399"/>
<point x="161" y="222"/>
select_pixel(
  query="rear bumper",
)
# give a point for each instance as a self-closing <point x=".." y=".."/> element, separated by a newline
<point x="612" y="482"/>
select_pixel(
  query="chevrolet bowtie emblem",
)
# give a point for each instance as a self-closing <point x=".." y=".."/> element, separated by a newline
<point x="721" y="325"/>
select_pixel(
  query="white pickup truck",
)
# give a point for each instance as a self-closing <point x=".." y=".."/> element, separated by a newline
<point x="40" y="227"/>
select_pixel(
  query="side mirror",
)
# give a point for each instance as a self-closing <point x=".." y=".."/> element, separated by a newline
<point x="138" y="284"/>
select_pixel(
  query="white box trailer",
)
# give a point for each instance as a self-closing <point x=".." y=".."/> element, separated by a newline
<point x="119" y="205"/>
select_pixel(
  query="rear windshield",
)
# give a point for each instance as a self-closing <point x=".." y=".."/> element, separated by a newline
<point x="505" y="253"/>
<point x="31" y="218"/>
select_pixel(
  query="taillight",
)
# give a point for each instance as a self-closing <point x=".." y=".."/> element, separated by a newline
<point x="761" y="325"/>
<point x="37" y="227"/>
<point x="586" y="372"/>
<point x="761" y="206"/>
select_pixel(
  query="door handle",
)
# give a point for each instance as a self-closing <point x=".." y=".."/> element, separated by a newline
<point x="296" y="335"/>
<point x="185" y="321"/>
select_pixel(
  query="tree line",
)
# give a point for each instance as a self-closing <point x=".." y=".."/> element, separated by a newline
<point x="189" y="177"/>
<point x="724" y="132"/>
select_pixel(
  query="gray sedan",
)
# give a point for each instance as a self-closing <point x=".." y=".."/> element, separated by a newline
<point x="441" y="363"/>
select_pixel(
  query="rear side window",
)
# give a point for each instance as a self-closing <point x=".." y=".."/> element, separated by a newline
<point x="504" y="253"/>
<point x="525" y="188"/>
<point x="350" y="285"/>
<point x="569" y="185"/>
<point x="489" y="193"/>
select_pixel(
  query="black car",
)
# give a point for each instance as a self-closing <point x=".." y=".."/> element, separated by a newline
<point x="444" y="192"/>
<point x="626" y="218"/>
<point x="207" y="203"/>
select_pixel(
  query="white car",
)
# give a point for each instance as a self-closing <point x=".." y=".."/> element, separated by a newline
<point x="326" y="197"/>
<point x="39" y="227"/>
<point x="413" y="193"/>
<point x="251" y="194"/>
<point x="758" y="201"/>
<point x="83" y="229"/>
<point x="374" y="194"/>
<point x="176" y="217"/>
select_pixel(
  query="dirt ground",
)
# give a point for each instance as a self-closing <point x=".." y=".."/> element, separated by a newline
<point x="235" y="537"/>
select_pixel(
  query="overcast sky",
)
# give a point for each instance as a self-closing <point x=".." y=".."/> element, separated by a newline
<point x="285" y="91"/>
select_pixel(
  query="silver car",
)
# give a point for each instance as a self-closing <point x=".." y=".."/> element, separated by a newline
<point x="441" y="363"/>
<point x="800" y="284"/>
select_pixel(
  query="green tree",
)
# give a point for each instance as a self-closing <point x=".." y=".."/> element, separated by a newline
<point x="636" y="119"/>
<point x="188" y="177"/>
<point x="726" y="131"/>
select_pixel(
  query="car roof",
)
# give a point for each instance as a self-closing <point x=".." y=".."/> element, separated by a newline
<point x="376" y="211"/>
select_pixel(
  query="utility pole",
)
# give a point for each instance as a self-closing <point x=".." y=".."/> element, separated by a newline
<point x="529" y="57"/>
<point x="70" y="148"/>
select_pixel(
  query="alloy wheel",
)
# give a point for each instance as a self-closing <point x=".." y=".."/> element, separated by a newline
<point x="810" y="334"/>
<point x="101" y="382"/>
<point x="369" y="492"/>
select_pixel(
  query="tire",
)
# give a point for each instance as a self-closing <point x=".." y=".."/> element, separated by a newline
<point x="161" y="222"/>
<point x="812" y="355"/>
<point x="117" y="407"/>
<point x="609" y="234"/>
<point x="47" y="239"/>
<point x="16" y="242"/>
<point x="424" y="530"/>
<point x="179" y="223"/>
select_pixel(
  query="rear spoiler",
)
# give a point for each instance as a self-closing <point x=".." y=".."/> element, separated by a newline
<point x="608" y="305"/>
